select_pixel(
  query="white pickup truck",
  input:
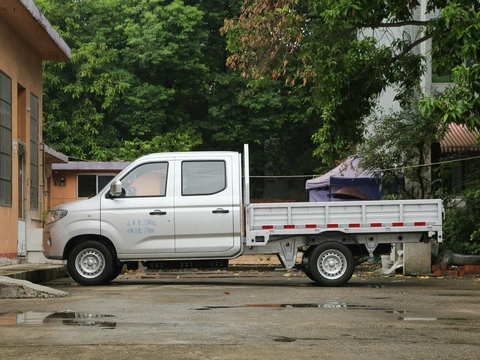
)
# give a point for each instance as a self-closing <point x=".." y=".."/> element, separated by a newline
<point x="179" y="210"/>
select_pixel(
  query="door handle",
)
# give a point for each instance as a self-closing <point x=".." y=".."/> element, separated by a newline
<point x="158" y="212"/>
<point x="220" y="211"/>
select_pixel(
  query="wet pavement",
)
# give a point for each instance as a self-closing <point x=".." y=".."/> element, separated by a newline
<point x="247" y="315"/>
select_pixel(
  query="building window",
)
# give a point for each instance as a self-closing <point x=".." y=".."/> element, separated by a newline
<point x="442" y="76"/>
<point x="34" y="135"/>
<point x="89" y="185"/>
<point x="464" y="172"/>
<point x="445" y="74"/>
<point x="203" y="177"/>
<point x="5" y="140"/>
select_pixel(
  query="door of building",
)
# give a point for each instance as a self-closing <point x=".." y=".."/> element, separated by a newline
<point x="22" y="199"/>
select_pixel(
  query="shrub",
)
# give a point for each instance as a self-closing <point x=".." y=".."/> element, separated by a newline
<point x="462" y="221"/>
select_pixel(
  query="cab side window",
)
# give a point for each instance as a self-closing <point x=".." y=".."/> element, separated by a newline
<point x="203" y="177"/>
<point x="146" y="180"/>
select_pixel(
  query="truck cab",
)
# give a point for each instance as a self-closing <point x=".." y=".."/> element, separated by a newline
<point x="162" y="206"/>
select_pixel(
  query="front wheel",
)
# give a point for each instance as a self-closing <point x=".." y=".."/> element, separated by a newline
<point x="117" y="270"/>
<point x="330" y="264"/>
<point x="91" y="263"/>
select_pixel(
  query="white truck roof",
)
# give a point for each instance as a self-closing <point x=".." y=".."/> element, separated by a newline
<point x="189" y="154"/>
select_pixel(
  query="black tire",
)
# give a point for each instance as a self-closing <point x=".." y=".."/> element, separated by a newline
<point x="309" y="274"/>
<point x="305" y="260"/>
<point x="330" y="264"/>
<point x="91" y="263"/>
<point x="118" y="268"/>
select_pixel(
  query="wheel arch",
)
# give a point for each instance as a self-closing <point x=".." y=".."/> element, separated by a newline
<point x="73" y="242"/>
<point x="349" y="240"/>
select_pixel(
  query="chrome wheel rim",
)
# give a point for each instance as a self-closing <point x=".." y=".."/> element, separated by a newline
<point x="90" y="263"/>
<point x="332" y="264"/>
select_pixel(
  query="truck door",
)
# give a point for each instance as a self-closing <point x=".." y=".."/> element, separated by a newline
<point x="204" y="206"/>
<point x="141" y="221"/>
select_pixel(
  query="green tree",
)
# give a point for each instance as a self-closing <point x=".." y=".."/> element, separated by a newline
<point x="133" y="82"/>
<point x="352" y="50"/>
<point x="461" y="226"/>
<point x="150" y="76"/>
<point x="270" y="117"/>
<point x="456" y="46"/>
<point x="398" y="146"/>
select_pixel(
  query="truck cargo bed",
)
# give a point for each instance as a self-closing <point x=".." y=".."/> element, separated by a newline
<point x="348" y="217"/>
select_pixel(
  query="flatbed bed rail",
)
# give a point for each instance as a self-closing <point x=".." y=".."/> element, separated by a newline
<point x="359" y="217"/>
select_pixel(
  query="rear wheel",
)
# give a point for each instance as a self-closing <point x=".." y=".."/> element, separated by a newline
<point x="305" y="260"/>
<point x="330" y="264"/>
<point x="91" y="263"/>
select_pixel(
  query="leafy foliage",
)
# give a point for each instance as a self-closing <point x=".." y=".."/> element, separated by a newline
<point x="456" y="38"/>
<point x="130" y="83"/>
<point x="399" y="147"/>
<point x="461" y="226"/>
<point x="148" y="76"/>
<point x="269" y="117"/>
<point x="349" y="51"/>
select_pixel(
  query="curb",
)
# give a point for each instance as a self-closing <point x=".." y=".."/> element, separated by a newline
<point x="35" y="273"/>
<point x="23" y="289"/>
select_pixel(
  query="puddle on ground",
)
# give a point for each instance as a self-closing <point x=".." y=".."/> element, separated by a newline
<point x="291" y="339"/>
<point x="328" y="305"/>
<point x="284" y="339"/>
<point x="67" y="318"/>
<point x="458" y="294"/>
<point x="410" y="318"/>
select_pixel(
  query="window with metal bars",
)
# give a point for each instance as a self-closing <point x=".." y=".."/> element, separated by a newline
<point x="5" y="140"/>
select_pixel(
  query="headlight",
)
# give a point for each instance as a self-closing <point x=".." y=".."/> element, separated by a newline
<point x="55" y="215"/>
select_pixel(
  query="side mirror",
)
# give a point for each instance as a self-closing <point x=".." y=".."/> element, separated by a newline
<point x="116" y="189"/>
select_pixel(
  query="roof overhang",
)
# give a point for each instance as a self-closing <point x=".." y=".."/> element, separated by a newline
<point x="459" y="138"/>
<point x="31" y="25"/>
<point x="52" y="156"/>
<point x="92" y="166"/>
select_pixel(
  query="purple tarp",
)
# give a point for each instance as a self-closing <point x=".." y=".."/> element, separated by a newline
<point x="348" y="181"/>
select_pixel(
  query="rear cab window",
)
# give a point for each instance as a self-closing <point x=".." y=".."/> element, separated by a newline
<point x="203" y="177"/>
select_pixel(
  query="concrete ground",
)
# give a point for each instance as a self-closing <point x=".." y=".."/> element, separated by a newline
<point x="18" y="280"/>
<point x="238" y="314"/>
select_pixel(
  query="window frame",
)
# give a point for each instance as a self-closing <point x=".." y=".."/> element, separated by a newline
<point x="6" y="138"/>
<point x="203" y="161"/>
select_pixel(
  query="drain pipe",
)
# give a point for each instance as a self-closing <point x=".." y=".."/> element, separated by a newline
<point x="448" y="257"/>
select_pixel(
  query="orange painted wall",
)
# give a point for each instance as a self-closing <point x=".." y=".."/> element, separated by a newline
<point x="61" y="194"/>
<point x="24" y="67"/>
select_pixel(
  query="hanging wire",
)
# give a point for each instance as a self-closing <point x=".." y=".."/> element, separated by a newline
<point x="380" y="170"/>
<point x="313" y="176"/>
